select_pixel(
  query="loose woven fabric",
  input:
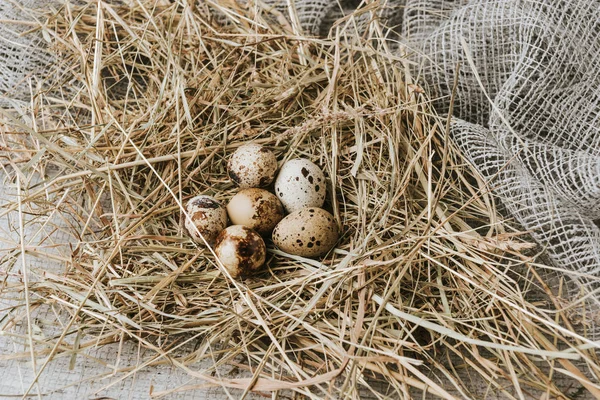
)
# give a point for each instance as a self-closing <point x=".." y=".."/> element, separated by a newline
<point x="23" y="56"/>
<point x="527" y="110"/>
<point x="526" y="105"/>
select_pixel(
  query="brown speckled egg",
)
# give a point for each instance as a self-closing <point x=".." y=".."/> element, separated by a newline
<point x="206" y="216"/>
<point x="310" y="232"/>
<point x="257" y="209"/>
<point x="300" y="184"/>
<point x="252" y="165"/>
<point x="241" y="250"/>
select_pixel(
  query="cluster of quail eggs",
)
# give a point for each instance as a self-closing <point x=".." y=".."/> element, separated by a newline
<point x="257" y="214"/>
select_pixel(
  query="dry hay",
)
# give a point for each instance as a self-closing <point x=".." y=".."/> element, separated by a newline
<point x="425" y="292"/>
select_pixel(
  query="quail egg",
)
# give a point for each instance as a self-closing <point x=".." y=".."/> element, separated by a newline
<point x="300" y="184"/>
<point x="206" y="217"/>
<point x="257" y="209"/>
<point x="241" y="250"/>
<point x="252" y="165"/>
<point x="310" y="232"/>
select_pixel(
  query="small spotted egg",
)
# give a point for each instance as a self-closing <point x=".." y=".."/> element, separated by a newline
<point x="300" y="184"/>
<point x="241" y="250"/>
<point x="206" y="217"/>
<point x="257" y="209"/>
<point x="310" y="232"/>
<point x="252" y="165"/>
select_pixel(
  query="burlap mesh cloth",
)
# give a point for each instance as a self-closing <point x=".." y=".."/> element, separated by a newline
<point x="23" y="52"/>
<point x="526" y="107"/>
<point x="526" y="110"/>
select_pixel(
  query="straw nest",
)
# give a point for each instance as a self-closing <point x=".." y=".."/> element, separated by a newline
<point x="425" y="291"/>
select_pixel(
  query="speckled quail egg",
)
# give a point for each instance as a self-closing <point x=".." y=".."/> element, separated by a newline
<point x="206" y="217"/>
<point x="310" y="232"/>
<point x="257" y="209"/>
<point x="241" y="250"/>
<point x="300" y="184"/>
<point x="252" y="165"/>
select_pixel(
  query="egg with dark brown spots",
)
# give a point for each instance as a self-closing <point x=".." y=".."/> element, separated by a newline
<point x="252" y="165"/>
<point x="300" y="184"/>
<point x="240" y="250"/>
<point x="256" y="209"/>
<point x="206" y="217"/>
<point x="310" y="232"/>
